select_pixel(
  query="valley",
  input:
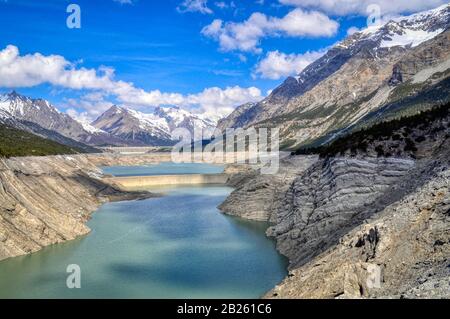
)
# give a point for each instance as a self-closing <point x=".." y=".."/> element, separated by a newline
<point x="359" y="207"/>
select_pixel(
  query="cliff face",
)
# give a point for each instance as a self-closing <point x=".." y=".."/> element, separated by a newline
<point x="257" y="196"/>
<point x="398" y="246"/>
<point x="48" y="200"/>
<point x="330" y="199"/>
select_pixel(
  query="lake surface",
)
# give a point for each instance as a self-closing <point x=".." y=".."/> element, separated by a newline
<point x="165" y="168"/>
<point x="177" y="246"/>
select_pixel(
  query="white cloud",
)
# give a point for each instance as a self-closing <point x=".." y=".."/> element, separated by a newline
<point x="352" y="30"/>
<point x="195" y="6"/>
<point x="345" y="7"/>
<point x="217" y="102"/>
<point x="277" y="65"/>
<point x="246" y="35"/>
<point x="35" y="69"/>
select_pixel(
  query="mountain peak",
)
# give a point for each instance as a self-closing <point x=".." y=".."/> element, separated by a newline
<point x="117" y="108"/>
<point x="404" y="31"/>
<point x="14" y="95"/>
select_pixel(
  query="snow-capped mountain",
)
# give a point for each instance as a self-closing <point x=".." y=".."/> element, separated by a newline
<point x="40" y="116"/>
<point x="150" y="128"/>
<point x="178" y="118"/>
<point x="408" y="31"/>
<point x="40" y="112"/>
<point x="367" y="72"/>
<point x="118" y="126"/>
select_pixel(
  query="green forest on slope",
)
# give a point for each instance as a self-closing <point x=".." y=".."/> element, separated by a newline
<point x="14" y="142"/>
<point x="382" y="131"/>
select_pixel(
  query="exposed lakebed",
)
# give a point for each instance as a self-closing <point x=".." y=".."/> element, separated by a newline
<point x="176" y="246"/>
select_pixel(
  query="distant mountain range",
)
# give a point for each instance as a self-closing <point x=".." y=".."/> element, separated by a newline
<point x="150" y="129"/>
<point x="384" y="71"/>
<point x="118" y="126"/>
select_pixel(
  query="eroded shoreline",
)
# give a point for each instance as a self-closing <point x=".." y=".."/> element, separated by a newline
<point x="48" y="200"/>
<point x="363" y="227"/>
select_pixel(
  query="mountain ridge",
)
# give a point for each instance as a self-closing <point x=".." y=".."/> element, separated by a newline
<point x="109" y="129"/>
<point x="354" y="78"/>
<point x="154" y="128"/>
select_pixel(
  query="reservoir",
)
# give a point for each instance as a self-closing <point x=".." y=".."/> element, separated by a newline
<point x="175" y="246"/>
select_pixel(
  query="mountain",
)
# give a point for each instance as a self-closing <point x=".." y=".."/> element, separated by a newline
<point x="150" y="129"/>
<point x="41" y="112"/>
<point x="398" y="67"/>
<point x="178" y="118"/>
<point x="118" y="126"/>
<point x="42" y="118"/>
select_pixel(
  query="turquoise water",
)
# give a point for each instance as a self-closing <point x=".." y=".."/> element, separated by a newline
<point x="177" y="246"/>
<point x="166" y="168"/>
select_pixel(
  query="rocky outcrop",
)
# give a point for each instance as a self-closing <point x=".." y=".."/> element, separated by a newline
<point x="330" y="199"/>
<point x="48" y="200"/>
<point x="400" y="251"/>
<point x="257" y="196"/>
<point x="357" y="227"/>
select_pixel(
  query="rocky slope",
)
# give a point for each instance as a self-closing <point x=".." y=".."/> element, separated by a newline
<point x="382" y="241"/>
<point x="261" y="193"/>
<point x="330" y="199"/>
<point x="344" y="220"/>
<point x="415" y="136"/>
<point x="357" y="224"/>
<point x="358" y="79"/>
<point x="48" y="200"/>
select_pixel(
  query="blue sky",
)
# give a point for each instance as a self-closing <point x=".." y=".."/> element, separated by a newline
<point x="163" y="50"/>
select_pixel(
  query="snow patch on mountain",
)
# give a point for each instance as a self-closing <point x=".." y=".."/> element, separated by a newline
<point x="149" y="122"/>
<point x="90" y="128"/>
<point x="409" y="37"/>
<point x="13" y="103"/>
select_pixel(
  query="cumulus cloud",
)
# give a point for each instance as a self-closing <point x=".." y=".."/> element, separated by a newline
<point x="246" y="36"/>
<point x="35" y="69"/>
<point x="277" y="65"/>
<point x="352" y="30"/>
<point x="195" y="6"/>
<point x="345" y="7"/>
<point x="217" y="102"/>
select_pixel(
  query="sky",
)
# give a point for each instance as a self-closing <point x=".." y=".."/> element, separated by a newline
<point x="207" y="56"/>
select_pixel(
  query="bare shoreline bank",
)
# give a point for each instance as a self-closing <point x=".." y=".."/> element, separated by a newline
<point x="354" y="227"/>
<point x="48" y="200"/>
